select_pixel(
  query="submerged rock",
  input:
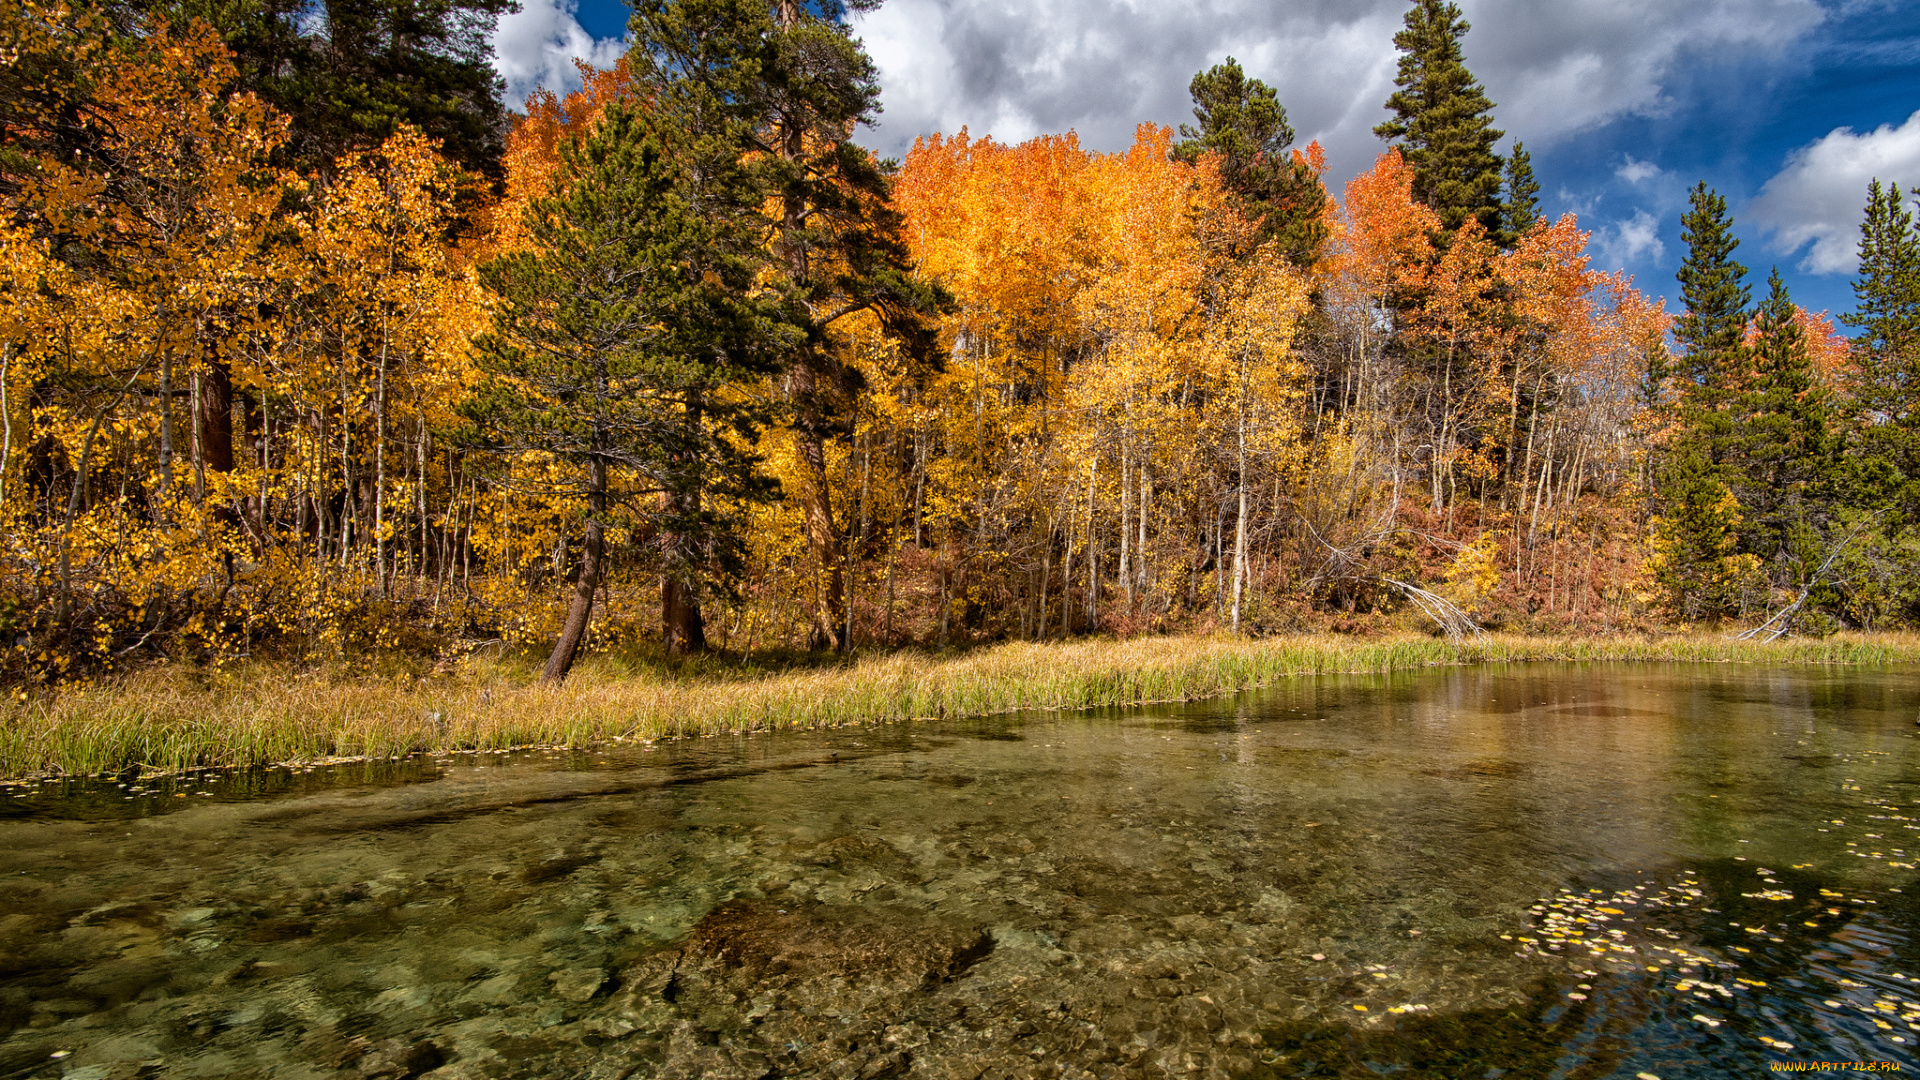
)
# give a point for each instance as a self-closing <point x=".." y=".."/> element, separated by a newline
<point x="397" y="1059"/>
<point x="884" y="942"/>
<point x="578" y="984"/>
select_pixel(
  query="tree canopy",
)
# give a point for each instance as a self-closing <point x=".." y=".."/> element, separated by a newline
<point x="1242" y="120"/>
<point x="701" y="369"/>
<point x="1443" y="121"/>
<point x="350" y="73"/>
<point x="616" y="334"/>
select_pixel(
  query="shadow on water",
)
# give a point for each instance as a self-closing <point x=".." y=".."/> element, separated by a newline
<point x="1546" y="871"/>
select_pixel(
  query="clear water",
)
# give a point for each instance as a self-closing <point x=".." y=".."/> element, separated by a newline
<point x="1528" y="871"/>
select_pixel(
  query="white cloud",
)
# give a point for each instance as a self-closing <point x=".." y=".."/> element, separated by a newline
<point x="1625" y="243"/>
<point x="1569" y="66"/>
<point x="1635" y="171"/>
<point x="1820" y="195"/>
<point x="537" y="46"/>
<point x="1577" y="204"/>
<point x="1015" y="68"/>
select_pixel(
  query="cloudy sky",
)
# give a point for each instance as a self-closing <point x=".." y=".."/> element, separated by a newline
<point x="1787" y="107"/>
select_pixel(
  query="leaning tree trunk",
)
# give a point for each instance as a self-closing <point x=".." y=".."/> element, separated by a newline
<point x="591" y="556"/>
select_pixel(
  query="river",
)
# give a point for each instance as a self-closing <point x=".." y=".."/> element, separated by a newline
<point x="1674" y="871"/>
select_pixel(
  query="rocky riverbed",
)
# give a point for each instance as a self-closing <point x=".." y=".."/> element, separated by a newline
<point x="1278" y="892"/>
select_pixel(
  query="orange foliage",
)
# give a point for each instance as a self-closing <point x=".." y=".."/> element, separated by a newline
<point x="1830" y="351"/>
<point x="1385" y="246"/>
<point x="533" y="146"/>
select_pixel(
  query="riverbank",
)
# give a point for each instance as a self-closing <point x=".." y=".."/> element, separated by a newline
<point x="166" y="719"/>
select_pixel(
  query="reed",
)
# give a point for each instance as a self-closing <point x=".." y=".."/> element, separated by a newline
<point x="171" y="718"/>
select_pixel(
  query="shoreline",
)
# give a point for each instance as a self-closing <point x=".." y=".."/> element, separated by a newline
<point x="171" y="719"/>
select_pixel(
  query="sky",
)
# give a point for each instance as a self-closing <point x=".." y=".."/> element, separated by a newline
<point x="1786" y="107"/>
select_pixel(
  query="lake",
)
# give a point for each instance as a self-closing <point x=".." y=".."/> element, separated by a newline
<point x="1676" y="871"/>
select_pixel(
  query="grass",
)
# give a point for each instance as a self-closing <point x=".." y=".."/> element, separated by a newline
<point x="171" y="718"/>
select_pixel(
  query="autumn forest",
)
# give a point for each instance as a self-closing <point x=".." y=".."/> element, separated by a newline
<point x="309" y="348"/>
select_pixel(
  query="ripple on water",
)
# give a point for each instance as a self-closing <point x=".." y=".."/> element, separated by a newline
<point x="1526" y="871"/>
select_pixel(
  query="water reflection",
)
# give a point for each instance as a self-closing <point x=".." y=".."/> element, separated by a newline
<point x="1530" y="871"/>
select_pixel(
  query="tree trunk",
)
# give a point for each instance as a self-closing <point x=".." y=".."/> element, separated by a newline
<point x="380" y="479"/>
<point x="575" y="629"/>
<point x="817" y="508"/>
<point x="1146" y="513"/>
<point x="166" y="422"/>
<point x="946" y="587"/>
<point x="194" y="430"/>
<point x="1093" y="552"/>
<point x="216" y="417"/>
<point x="893" y="558"/>
<point x="1046" y="582"/>
<point x="6" y="417"/>
<point x="1240" y="519"/>
<point x="683" y="628"/>
<point x="1066" y="574"/>
<point x="1126" y="501"/>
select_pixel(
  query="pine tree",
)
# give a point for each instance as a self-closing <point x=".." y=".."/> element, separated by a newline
<point x="614" y="343"/>
<point x="1242" y="120"/>
<point x="1712" y="285"/>
<point x="351" y="72"/>
<point x="799" y="80"/>
<point x="1785" y="458"/>
<point x="1521" y="207"/>
<point x="1695" y="559"/>
<point x="1443" y="121"/>
<point x="1887" y="292"/>
<point x="1883" y="470"/>
<point x="1656" y="369"/>
<point x="1697" y="507"/>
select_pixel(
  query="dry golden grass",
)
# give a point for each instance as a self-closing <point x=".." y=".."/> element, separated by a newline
<point x="173" y="718"/>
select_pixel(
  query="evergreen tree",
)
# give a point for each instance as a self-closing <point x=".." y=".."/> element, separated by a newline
<point x="1697" y="506"/>
<point x="1887" y="289"/>
<point x="1443" y="121"/>
<point x="801" y="83"/>
<point x="1712" y="285"/>
<point x="1656" y="369"/>
<point x="1521" y="207"/>
<point x="1242" y="120"/>
<point x="1695" y="558"/>
<point x="1786" y="455"/>
<point x="350" y="72"/>
<point x="613" y="345"/>
<point x="1887" y="393"/>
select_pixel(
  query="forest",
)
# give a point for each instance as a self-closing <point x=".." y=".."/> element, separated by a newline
<point x="309" y="348"/>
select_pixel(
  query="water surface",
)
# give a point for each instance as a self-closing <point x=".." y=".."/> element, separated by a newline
<point x="1529" y="871"/>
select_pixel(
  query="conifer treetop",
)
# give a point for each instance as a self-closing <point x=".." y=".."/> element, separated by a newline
<point x="1713" y="288"/>
<point x="1241" y="119"/>
<point x="1522" y="206"/>
<point x="1443" y="120"/>
<point x="1887" y="290"/>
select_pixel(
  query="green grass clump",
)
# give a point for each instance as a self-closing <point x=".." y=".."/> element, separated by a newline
<point x="171" y="718"/>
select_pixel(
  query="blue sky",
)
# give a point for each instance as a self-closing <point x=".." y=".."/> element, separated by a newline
<point x="1784" y="106"/>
